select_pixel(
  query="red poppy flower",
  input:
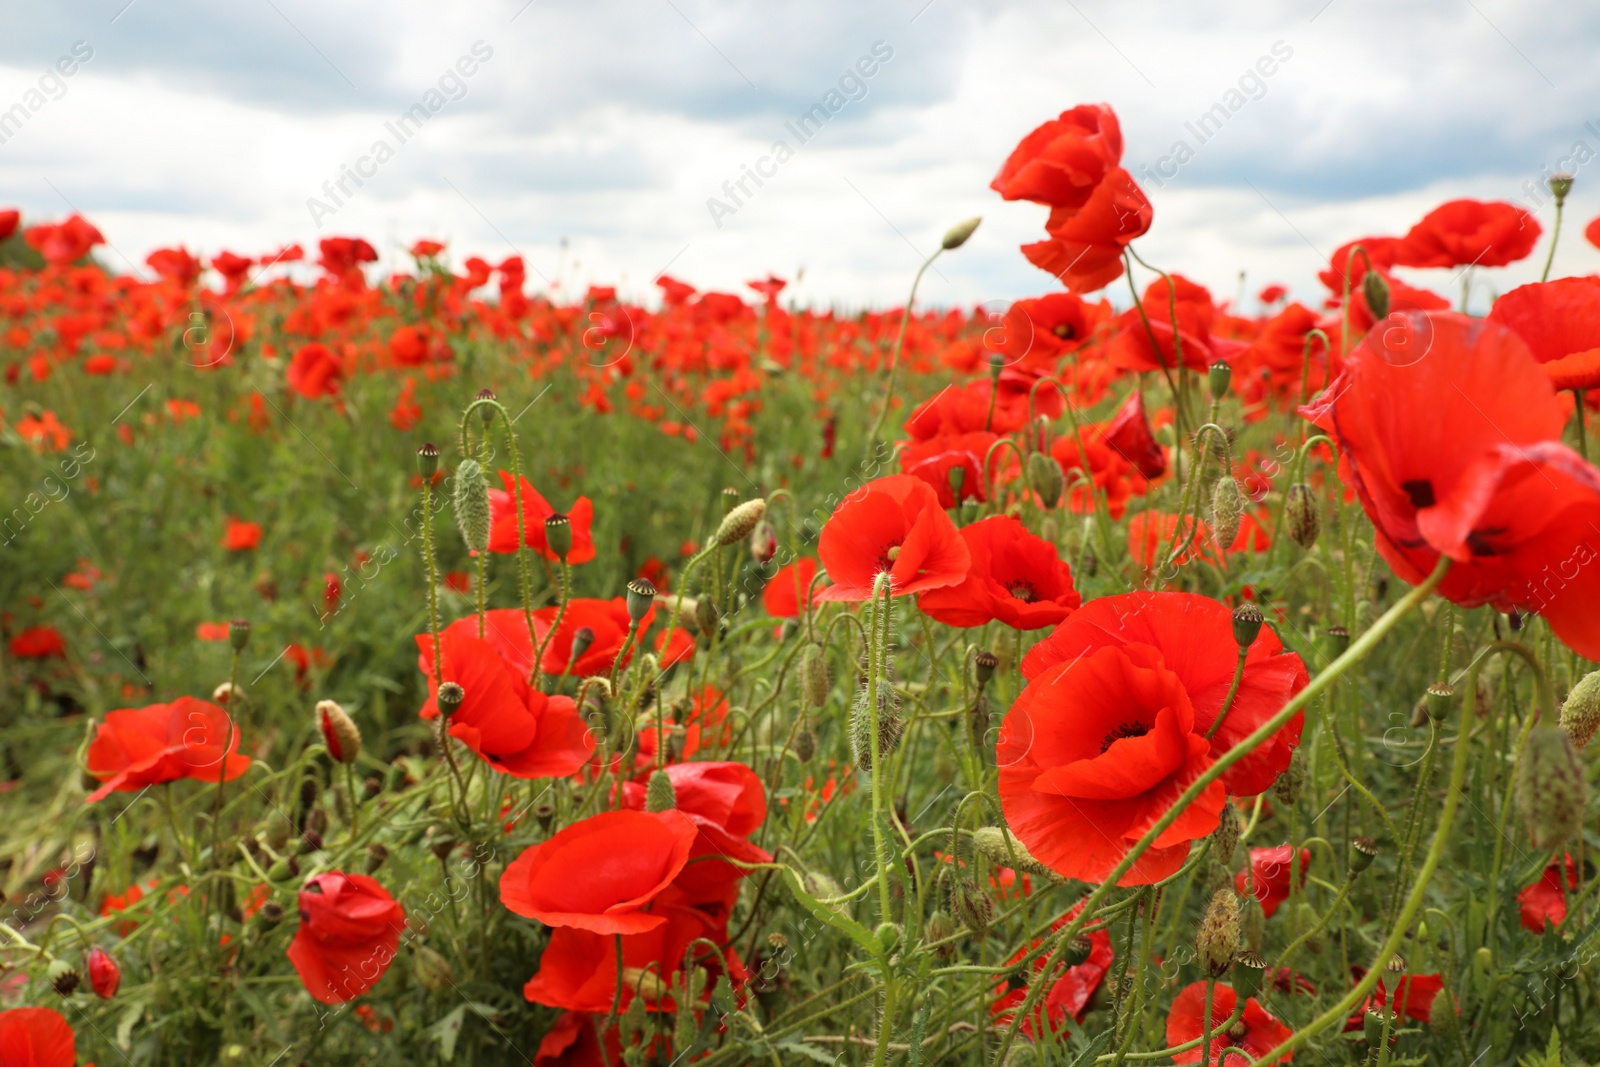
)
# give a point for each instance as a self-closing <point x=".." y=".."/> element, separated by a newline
<point x="1129" y="435"/>
<point x="573" y="1042"/>
<point x="959" y="410"/>
<point x="1592" y="232"/>
<point x="1084" y="251"/>
<point x="1560" y="323"/>
<point x="38" y="642"/>
<point x="139" y="747"/>
<point x="515" y="728"/>
<point x="601" y="874"/>
<point x="36" y="1037"/>
<point x="1272" y="294"/>
<point x="1257" y="1033"/>
<point x="105" y="974"/>
<point x="1062" y="161"/>
<point x="1092" y="753"/>
<point x="1448" y="431"/>
<point x="1193" y="636"/>
<point x="535" y="510"/>
<point x="234" y="269"/>
<point x="727" y="803"/>
<point x="315" y="372"/>
<point x="1035" y="334"/>
<point x="342" y="257"/>
<point x="1105" y="471"/>
<point x="349" y="932"/>
<point x="9" y="220"/>
<point x="66" y="242"/>
<point x="1413" y="999"/>
<point x="1270" y="873"/>
<point x="788" y="589"/>
<point x="1464" y="233"/>
<point x="1069" y="995"/>
<point x="1015" y="578"/>
<point x="934" y="461"/>
<point x="1150" y="532"/>
<point x="1544" y="903"/>
<point x="607" y="624"/>
<point x="893" y="525"/>
<point x="240" y="536"/>
<point x="176" y="265"/>
<point x="1145" y="342"/>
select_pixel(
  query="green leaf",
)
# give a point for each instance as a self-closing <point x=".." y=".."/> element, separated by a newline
<point x="800" y="1048"/>
<point x="843" y="923"/>
<point x="446" y="1031"/>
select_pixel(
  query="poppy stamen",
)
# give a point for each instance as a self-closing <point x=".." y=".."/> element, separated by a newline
<point x="1022" y="591"/>
<point x="1122" y="732"/>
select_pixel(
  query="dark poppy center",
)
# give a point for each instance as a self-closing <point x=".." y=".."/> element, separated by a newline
<point x="1063" y="330"/>
<point x="1023" y="591"/>
<point x="1124" y="730"/>
<point x="1420" y="490"/>
<point x="1481" y="543"/>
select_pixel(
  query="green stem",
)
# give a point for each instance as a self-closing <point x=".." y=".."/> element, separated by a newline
<point x="894" y="354"/>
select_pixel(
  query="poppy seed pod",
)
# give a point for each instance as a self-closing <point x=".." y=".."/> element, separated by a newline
<point x="1580" y="714"/>
<point x="339" y="731"/>
<point x="983" y="666"/>
<point x="1363" y="850"/>
<point x="1438" y="699"/>
<point x="472" y="505"/>
<point x="1045" y="475"/>
<point x="1217" y="939"/>
<point x="957" y="235"/>
<point x="1227" y="510"/>
<point x="738" y="523"/>
<point x="1551" y="791"/>
<point x="558" y="534"/>
<point x="1247" y="622"/>
<point x="582" y="639"/>
<point x="239" y="634"/>
<point x="641" y="598"/>
<point x="271" y="914"/>
<point x="1372" y="1025"/>
<point x="1300" y="515"/>
<point x="1246" y="973"/>
<point x="487" y="412"/>
<point x="957" y="477"/>
<point x="1218" y="378"/>
<point x="450" y="697"/>
<point x="428" y="461"/>
<point x="659" y="794"/>
<point x="105" y="975"/>
<point x="814" y="683"/>
<point x="1560" y="186"/>
<point x="1376" y="290"/>
<point x="63" y="977"/>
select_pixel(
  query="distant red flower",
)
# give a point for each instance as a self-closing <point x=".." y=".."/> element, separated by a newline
<point x="176" y="265"/>
<point x="1272" y="294"/>
<point x="1413" y="999"/>
<point x="65" y="242"/>
<point x="1270" y="873"/>
<point x="134" y="748"/>
<point x="1592" y="232"/>
<point x="458" y="582"/>
<point x="673" y="292"/>
<point x="601" y="874"/>
<point x="1068" y="995"/>
<point x="406" y="412"/>
<point x="1145" y="339"/>
<point x="44" y="431"/>
<point x="36" y="1037"/>
<point x="1151" y="532"/>
<point x="233" y="268"/>
<point x="241" y="536"/>
<point x="1464" y="233"/>
<point x="893" y="525"/>
<point x="1129" y="435"/>
<point x="304" y="659"/>
<point x="789" y="589"/>
<point x="212" y="631"/>
<point x="957" y="411"/>
<point x="1015" y="578"/>
<point x="1545" y="901"/>
<point x="769" y="287"/>
<point x="38" y="642"/>
<point x="9" y="220"/>
<point x="349" y="933"/>
<point x="572" y="1042"/>
<point x="342" y="257"/>
<point x="426" y="249"/>
<point x="315" y="372"/>
<point x="606" y="623"/>
<point x="535" y="510"/>
<point x="1560" y="323"/>
<point x="1256" y="1034"/>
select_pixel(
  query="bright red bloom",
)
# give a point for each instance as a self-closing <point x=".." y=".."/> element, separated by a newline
<point x="315" y="372"/>
<point x="38" y="642"/>
<point x="240" y="536"/>
<point x="342" y="257"/>
<point x="1592" y="232"/>
<point x="1186" y="1022"/>
<point x="1413" y="999"/>
<point x="1071" y="992"/>
<point x="1129" y="435"/>
<point x="176" y="265"/>
<point x="36" y="1037"/>
<point x="1146" y="341"/>
<point x="1035" y="334"/>
<point x="893" y="525"/>
<point x="1150" y="532"/>
<point x="1062" y="161"/>
<point x="425" y="248"/>
<point x="1086" y="243"/>
<point x="960" y="410"/>
<point x="349" y="932"/>
<point x="1106" y="470"/>
<point x="9" y="220"/>
<point x="515" y="728"/>
<point x="1270" y="875"/>
<point x="934" y="461"/>
<point x="105" y="974"/>
<point x="535" y="510"/>
<point x="65" y="242"/>
<point x="1272" y="294"/>
<point x="607" y="624"/>
<point x="1560" y="323"/>
<point x="1545" y="901"/>
<point x="1448" y="431"/>
<point x="1015" y="578"/>
<point x="1093" y="752"/>
<point x="602" y="873"/>
<point x="1193" y="636"/>
<point x="234" y="269"/>
<point x="727" y="803"/>
<point x="139" y="747"/>
<point x="1464" y="233"/>
<point x="769" y="287"/>
<point x="789" y="589"/>
<point x="573" y="1042"/>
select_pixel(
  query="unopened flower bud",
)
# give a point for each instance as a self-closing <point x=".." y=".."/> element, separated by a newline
<point x="1252" y="923"/>
<point x="427" y="461"/>
<point x="706" y="616"/>
<point x="641" y="598"/>
<point x="1288" y="786"/>
<point x="957" y="235"/>
<point x="1442" y="1017"/>
<point x="1551" y="791"/>
<point x="763" y="542"/>
<point x="105" y="975"/>
<point x="991" y="841"/>
<point x="659" y="794"/>
<point x="1225" y="838"/>
<point x="1300" y="515"/>
<point x="472" y="505"/>
<point x="1217" y="940"/>
<point x="940" y="928"/>
<point x="1580" y="714"/>
<point x="450" y="697"/>
<point x="558" y="535"/>
<point x="284" y="870"/>
<point x="1227" y="510"/>
<point x="1376" y="290"/>
<point x="971" y="905"/>
<point x="1045" y="475"/>
<point x="737" y="524"/>
<point x="1218" y="378"/>
<point x="814" y="683"/>
<point x="433" y="971"/>
<point x="805" y="746"/>
<point x="239" y="634"/>
<point x="63" y="977"/>
<point x="1363" y="850"/>
<point x="1247" y="622"/>
<point x="339" y="731"/>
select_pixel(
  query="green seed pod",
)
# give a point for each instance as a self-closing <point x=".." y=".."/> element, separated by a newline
<point x="239" y="634"/>
<point x="1363" y="850"/>
<point x="957" y="235"/>
<point x="1218" y="378"/>
<point x="1246" y="974"/>
<point x="558" y="534"/>
<point x="1292" y="781"/>
<point x="1247" y="623"/>
<point x="1551" y="791"/>
<point x="805" y="746"/>
<point x="1217" y="940"/>
<point x="433" y="971"/>
<point x="983" y="666"/>
<point x="1300" y="515"/>
<point x="1580" y="714"/>
<point x="472" y="505"/>
<point x="449" y="699"/>
<point x="1372" y="1025"/>
<point x="957" y="477"/>
<point x="1227" y="510"/>
<point x="972" y="907"/>
<point x="1077" y="951"/>
<point x="641" y="598"/>
<point x="659" y="794"/>
<point x="63" y="977"/>
<point x="427" y="461"/>
<point x="270" y="914"/>
<point x="1560" y="185"/>
<point x="1225" y="838"/>
<point x="1438" y="700"/>
<point x="1044" y="473"/>
<point x="1376" y="290"/>
<point x="814" y="683"/>
<point x="738" y="523"/>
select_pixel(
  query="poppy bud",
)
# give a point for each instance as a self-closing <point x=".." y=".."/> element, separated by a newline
<point x="428" y="461"/>
<point x="1551" y="791"/>
<point x="239" y="634"/>
<point x="1227" y="509"/>
<point x="1246" y="974"/>
<point x="1252" y="924"/>
<point x="972" y="907"/>
<point x="983" y="666"/>
<point x="104" y="973"/>
<point x="545" y="815"/>
<point x="339" y="731"/>
<point x="1300" y="515"/>
<point x="487" y="412"/>
<point x="1218" y="378"/>
<point x="706" y="616"/>
<point x="822" y="886"/>
<point x="1580" y="714"/>
<point x="887" y="935"/>
<point x="763" y="542"/>
<point x="63" y="977"/>
<point x="1225" y="838"/>
<point x="957" y="477"/>
<point x="472" y="505"/>
<point x="1363" y="850"/>
<point x="659" y="794"/>
<point x="738" y="523"/>
<point x="890" y="726"/>
<point x="957" y="235"/>
<point x="1292" y="781"/>
<point x="940" y="927"/>
<point x="1560" y="186"/>
<point x="1376" y="290"/>
<point x="1442" y="1018"/>
<point x="283" y="870"/>
<point x="814" y="682"/>
<point x="558" y="535"/>
<point x="1217" y="939"/>
<point x="1247" y="621"/>
<point x="641" y="598"/>
<point x="433" y="971"/>
<point x="449" y="699"/>
<point x="991" y="841"/>
<point x="377" y="856"/>
<point x="277" y="831"/>
<point x="310" y="841"/>
<point x="997" y="363"/>
<point x="805" y="746"/>
<point x="1048" y="481"/>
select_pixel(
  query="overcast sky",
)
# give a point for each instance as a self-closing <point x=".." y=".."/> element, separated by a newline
<point x="590" y="135"/>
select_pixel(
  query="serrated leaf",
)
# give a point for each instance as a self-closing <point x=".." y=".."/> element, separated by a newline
<point x="800" y="1048"/>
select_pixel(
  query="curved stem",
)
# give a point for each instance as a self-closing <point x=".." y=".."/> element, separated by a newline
<point x="894" y="355"/>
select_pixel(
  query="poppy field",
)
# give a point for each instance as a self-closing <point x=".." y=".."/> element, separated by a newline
<point x="430" y="668"/>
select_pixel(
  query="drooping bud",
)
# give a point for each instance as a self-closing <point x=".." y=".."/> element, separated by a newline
<point x="1300" y="515"/>
<point x="991" y="841"/>
<point x="1560" y="186"/>
<point x="737" y="524"/>
<point x="706" y="616"/>
<point x="427" y="461"/>
<point x="941" y="928"/>
<point x="1045" y="475"/>
<point x="863" y="746"/>
<point x="105" y="975"/>
<point x="1442" y="1017"/>
<point x="814" y="683"/>
<point x="450" y="697"/>
<point x="1246" y="973"/>
<point x="805" y="746"/>
<point x="239" y="634"/>
<point x="1217" y="939"/>
<point x="433" y="971"/>
<point x="1580" y="714"/>
<point x="1288" y="786"/>
<point x="63" y="977"/>
<point x="957" y="235"/>
<point x="1363" y="850"/>
<point x="1376" y="290"/>
<point x="641" y="598"/>
<point x="1247" y="622"/>
<point x="1218" y="378"/>
<point x="558" y="535"/>
<point x="763" y="542"/>
<point x="983" y="666"/>
<point x="971" y="905"/>
<point x="472" y="505"/>
<point x="659" y="794"/>
<point x="1551" y="791"/>
<point x="339" y="731"/>
<point x="1225" y="838"/>
<point x="1227" y="510"/>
